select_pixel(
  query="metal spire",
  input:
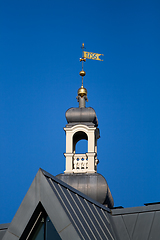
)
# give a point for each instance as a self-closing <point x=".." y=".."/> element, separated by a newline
<point x="82" y="92"/>
<point x="83" y="59"/>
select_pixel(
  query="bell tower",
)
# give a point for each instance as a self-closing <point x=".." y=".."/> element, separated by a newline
<point x="81" y="169"/>
<point x="82" y="124"/>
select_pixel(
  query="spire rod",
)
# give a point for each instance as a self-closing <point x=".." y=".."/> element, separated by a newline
<point x="82" y="92"/>
<point x="83" y="59"/>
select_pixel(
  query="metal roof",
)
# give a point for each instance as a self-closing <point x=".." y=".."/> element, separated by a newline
<point x="93" y="185"/>
<point x="3" y="229"/>
<point x="138" y="223"/>
<point x="76" y="216"/>
<point x="73" y="214"/>
<point x="91" y="220"/>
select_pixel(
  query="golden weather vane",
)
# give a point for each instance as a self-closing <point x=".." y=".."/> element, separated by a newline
<point x="88" y="55"/>
<point x="82" y="92"/>
<point x="91" y="55"/>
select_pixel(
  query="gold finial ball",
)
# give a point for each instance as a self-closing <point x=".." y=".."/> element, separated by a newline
<point x="82" y="73"/>
<point x="82" y="44"/>
<point x="82" y="91"/>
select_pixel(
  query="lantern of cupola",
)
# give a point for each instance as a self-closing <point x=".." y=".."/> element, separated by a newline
<point x="82" y="124"/>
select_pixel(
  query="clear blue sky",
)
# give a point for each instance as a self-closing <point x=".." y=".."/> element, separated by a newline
<point x="39" y="78"/>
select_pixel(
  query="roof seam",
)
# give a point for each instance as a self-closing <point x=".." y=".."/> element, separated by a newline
<point x="81" y="214"/>
<point x="109" y="223"/>
<point x="64" y="204"/>
<point x="102" y="220"/>
<point x="95" y="218"/>
<point x="13" y="234"/>
<point x="105" y="216"/>
<point x="151" y="225"/>
<point x="65" y="227"/>
<point x="74" y="211"/>
<point x="135" y="225"/>
<point x="89" y="216"/>
<point x="126" y="228"/>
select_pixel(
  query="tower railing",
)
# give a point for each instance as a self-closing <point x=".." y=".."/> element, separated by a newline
<point x="80" y="162"/>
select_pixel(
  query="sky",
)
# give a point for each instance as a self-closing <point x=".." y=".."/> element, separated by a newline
<point x="40" y="47"/>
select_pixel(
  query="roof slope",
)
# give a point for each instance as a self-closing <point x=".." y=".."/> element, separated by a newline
<point x="90" y="218"/>
<point x="74" y="215"/>
<point x="3" y="229"/>
<point x="138" y="222"/>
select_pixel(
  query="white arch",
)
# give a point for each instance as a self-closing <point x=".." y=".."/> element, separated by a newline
<point x="90" y="131"/>
<point x="77" y="137"/>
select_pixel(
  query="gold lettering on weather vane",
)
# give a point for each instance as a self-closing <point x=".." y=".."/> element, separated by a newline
<point x="91" y="55"/>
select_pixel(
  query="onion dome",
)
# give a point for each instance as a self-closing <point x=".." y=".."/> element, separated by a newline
<point x="82" y="115"/>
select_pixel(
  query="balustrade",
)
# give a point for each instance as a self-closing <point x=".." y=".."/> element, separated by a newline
<point x="80" y="162"/>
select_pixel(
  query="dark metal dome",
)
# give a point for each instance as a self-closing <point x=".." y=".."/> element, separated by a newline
<point x="93" y="185"/>
<point x="74" y="115"/>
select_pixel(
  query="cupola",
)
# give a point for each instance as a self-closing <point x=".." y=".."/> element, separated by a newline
<point x="81" y="168"/>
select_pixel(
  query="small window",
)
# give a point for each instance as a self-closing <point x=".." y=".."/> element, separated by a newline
<point x="40" y="227"/>
<point x="51" y="232"/>
<point x="38" y="233"/>
<point x="44" y="230"/>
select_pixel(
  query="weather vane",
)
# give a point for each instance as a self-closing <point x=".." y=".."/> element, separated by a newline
<point x="88" y="55"/>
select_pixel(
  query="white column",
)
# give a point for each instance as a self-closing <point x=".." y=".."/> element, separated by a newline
<point x="91" y="162"/>
<point x="69" y="142"/>
<point x="69" y="162"/>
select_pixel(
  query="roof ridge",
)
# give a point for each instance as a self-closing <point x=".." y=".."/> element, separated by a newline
<point x="136" y="210"/>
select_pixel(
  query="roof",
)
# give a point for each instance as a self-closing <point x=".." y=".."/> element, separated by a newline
<point x="76" y="216"/>
<point x="3" y="229"/>
<point x="93" y="185"/>
<point x="138" y="222"/>
<point x="73" y="214"/>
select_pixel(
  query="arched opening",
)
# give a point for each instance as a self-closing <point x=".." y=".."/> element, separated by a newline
<point x="80" y="142"/>
<point x="81" y="146"/>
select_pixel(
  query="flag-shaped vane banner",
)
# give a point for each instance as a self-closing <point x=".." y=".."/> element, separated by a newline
<point x="91" y="55"/>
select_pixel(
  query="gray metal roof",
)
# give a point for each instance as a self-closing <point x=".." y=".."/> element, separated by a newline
<point x="93" y="185"/>
<point x="91" y="220"/>
<point x="138" y="223"/>
<point x="73" y="214"/>
<point x="3" y="229"/>
<point x="76" y="216"/>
